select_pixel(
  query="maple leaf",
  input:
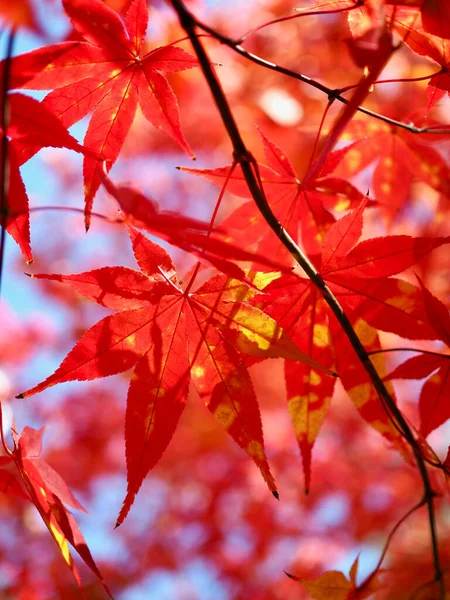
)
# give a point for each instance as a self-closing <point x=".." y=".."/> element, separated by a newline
<point x="409" y="24"/>
<point x="171" y="335"/>
<point x="435" y="15"/>
<point x="31" y="126"/>
<point x="334" y="585"/>
<point x="434" y="407"/>
<point x="306" y="206"/>
<point x="17" y="222"/>
<point x="400" y="159"/>
<point x="359" y="275"/>
<point x="49" y="493"/>
<point x="107" y="74"/>
<point x="187" y="233"/>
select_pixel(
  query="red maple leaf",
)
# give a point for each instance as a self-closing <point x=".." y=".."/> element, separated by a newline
<point x="31" y="126"/>
<point x="298" y="206"/>
<point x="187" y="233"/>
<point x="334" y="585"/>
<point x="48" y="492"/>
<point x="107" y="74"/>
<point x="399" y="158"/>
<point x="434" y="406"/>
<point x="411" y="26"/>
<point x="434" y="14"/>
<point x="360" y="276"/>
<point x="17" y="222"/>
<point x="170" y="335"/>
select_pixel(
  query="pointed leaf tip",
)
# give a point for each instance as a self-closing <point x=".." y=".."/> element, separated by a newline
<point x="20" y="397"/>
<point x="276" y="494"/>
<point x="117" y="525"/>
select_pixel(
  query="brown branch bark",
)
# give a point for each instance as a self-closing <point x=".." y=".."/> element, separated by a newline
<point x="248" y="165"/>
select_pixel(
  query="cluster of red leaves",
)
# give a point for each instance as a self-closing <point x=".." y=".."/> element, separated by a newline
<point x="210" y="334"/>
<point x="48" y="492"/>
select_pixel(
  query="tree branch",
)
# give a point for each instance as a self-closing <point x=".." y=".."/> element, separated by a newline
<point x="248" y="165"/>
<point x="333" y="94"/>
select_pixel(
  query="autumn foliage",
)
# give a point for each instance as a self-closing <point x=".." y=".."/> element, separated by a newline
<point x="294" y="281"/>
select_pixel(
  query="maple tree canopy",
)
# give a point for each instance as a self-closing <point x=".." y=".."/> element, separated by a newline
<point x="295" y="283"/>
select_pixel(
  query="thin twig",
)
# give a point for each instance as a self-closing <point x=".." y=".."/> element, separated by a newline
<point x="308" y="13"/>
<point x="369" y="578"/>
<point x="440" y="354"/>
<point x="335" y="94"/>
<point x="401" y="80"/>
<point x="244" y="158"/>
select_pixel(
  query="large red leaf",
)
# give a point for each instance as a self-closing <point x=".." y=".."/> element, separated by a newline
<point x="301" y="207"/>
<point x="420" y="33"/>
<point x="399" y="159"/>
<point x="170" y="334"/>
<point x="359" y="277"/>
<point x="31" y="126"/>
<point x="107" y="74"/>
<point x="187" y="233"/>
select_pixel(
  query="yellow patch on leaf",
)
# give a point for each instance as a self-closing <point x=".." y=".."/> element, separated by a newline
<point x="321" y="336"/>
<point x="62" y="544"/>
<point x="360" y="394"/>
<point x="226" y="414"/>
<point x="365" y="332"/>
<point x="255" y="450"/>
<point x="197" y="371"/>
<point x="312" y="378"/>
<point x="306" y="419"/>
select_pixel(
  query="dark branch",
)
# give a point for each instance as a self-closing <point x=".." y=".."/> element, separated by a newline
<point x="248" y="165"/>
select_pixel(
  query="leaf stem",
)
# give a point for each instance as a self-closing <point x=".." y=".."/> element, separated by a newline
<point x="244" y="158"/>
<point x="382" y="350"/>
<point x="211" y="224"/>
<point x="402" y="80"/>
